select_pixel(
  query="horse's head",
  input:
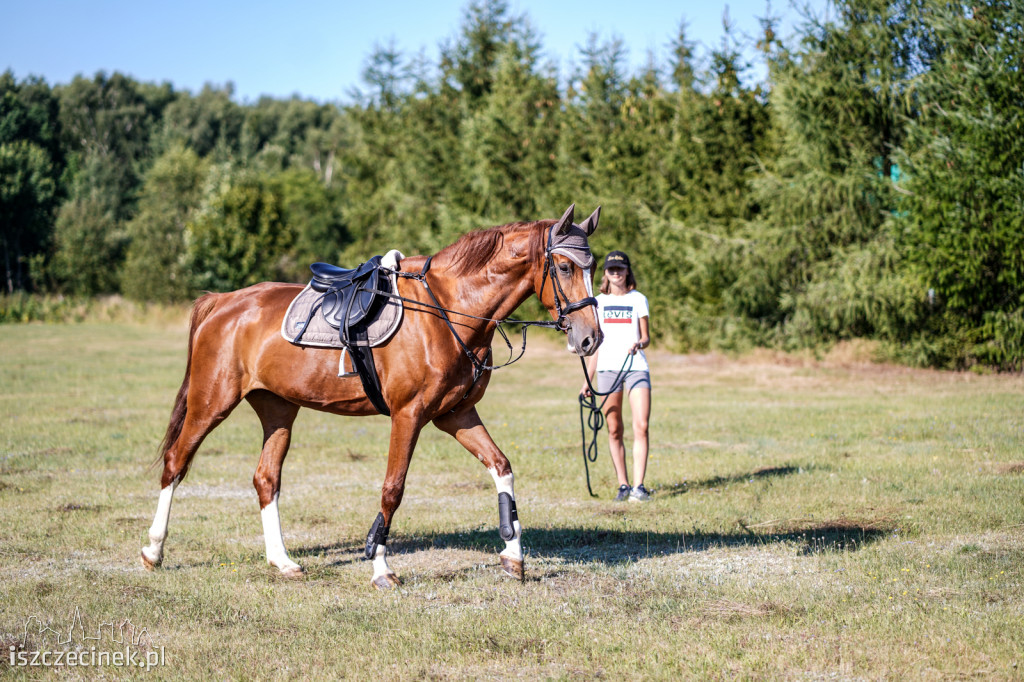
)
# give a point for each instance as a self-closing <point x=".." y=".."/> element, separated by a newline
<point x="566" y="287"/>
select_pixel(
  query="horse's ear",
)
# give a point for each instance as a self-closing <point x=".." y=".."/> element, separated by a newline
<point x="590" y="224"/>
<point x="565" y="222"/>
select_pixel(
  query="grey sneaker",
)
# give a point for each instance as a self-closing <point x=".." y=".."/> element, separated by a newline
<point x="639" y="494"/>
<point x="623" y="493"/>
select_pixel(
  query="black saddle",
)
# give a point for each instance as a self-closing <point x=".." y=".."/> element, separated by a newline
<point x="351" y="298"/>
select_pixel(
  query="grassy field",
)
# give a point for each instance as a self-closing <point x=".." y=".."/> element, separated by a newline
<point x="810" y="520"/>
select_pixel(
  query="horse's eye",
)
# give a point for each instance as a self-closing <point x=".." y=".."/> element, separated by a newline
<point x="565" y="268"/>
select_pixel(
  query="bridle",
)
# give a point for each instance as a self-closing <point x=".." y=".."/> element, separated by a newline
<point x="562" y="323"/>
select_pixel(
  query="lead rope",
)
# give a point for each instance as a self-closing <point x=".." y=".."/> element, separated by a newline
<point x="595" y="420"/>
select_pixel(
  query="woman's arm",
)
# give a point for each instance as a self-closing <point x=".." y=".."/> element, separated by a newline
<point x="645" y="335"/>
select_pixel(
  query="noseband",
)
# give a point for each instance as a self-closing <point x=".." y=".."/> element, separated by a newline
<point x="562" y="323"/>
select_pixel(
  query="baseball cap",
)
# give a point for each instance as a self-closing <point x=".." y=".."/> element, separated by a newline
<point x="616" y="259"/>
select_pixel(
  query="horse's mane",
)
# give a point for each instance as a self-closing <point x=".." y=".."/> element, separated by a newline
<point x="473" y="250"/>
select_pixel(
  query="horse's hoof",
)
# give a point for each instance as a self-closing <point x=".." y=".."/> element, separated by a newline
<point x="386" y="581"/>
<point x="149" y="564"/>
<point x="513" y="568"/>
<point x="293" y="573"/>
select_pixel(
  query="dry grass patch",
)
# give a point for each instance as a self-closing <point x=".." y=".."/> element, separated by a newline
<point x="724" y="609"/>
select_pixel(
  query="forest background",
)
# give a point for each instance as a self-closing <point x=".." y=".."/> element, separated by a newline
<point x="871" y="187"/>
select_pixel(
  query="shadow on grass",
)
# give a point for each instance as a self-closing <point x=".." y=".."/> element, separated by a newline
<point x="616" y="546"/>
<point x="713" y="482"/>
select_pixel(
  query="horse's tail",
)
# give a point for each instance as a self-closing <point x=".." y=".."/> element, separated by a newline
<point x="200" y="311"/>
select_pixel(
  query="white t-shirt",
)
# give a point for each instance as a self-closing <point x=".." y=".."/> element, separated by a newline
<point x="620" y="321"/>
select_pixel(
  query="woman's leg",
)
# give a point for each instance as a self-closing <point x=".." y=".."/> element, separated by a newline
<point x="613" y="418"/>
<point x="640" y="407"/>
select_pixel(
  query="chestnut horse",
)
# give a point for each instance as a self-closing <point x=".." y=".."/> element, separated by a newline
<point x="432" y="370"/>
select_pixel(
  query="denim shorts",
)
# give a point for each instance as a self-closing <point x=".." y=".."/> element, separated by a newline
<point x="629" y="381"/>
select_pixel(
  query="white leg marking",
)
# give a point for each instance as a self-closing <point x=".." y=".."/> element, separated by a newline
<point x="158" y="531"/>
<point x="277" y="555"/>
<point x="380" y="563"/>
<point x="504" y="484"/>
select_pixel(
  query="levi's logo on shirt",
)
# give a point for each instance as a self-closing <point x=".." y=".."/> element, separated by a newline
<point x="617" y="314"/>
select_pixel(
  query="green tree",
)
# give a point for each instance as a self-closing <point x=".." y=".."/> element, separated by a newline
<point x="591" y="134"/>
<point x="31" y="162"/>
<point x="403" y="185"/>
<point x="509" y="141"/>
<point x="387" y="74"/>
<point x="155" y="265"/>
<point x="239" y="237"/>
<point x="470" y="64"/>
<point x="311" y="212"/>
<point x="381" y="199"/>
<point x="818" y="263"/>
<point x="207" y="123"/>
<point x="961" y="219"/>
<point x="106" y="127"/>
<point x="89" y="247"/>
<point x="702" y="143"/>
<point x="26" y="199"/>
<point x="106" y="124"/>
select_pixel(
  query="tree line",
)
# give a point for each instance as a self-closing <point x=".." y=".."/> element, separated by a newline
<point x="872" y="187"/>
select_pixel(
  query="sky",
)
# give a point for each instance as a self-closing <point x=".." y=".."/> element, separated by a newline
<point x="317" y="49"/>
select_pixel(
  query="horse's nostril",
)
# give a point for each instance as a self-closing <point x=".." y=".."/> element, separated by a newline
<point x="587" y="343"/>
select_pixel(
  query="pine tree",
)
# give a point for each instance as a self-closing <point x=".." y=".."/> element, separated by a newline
<point x="508" y="144"/>
<point x="818" y="263"/>
<point x="962" y="213"/>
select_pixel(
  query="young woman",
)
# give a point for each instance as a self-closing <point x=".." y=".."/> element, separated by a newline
<point x="625" y="322"/>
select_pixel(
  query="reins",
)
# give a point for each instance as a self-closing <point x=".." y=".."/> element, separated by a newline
<point x="479" y="366"/>
<point x="595" y="420"/>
